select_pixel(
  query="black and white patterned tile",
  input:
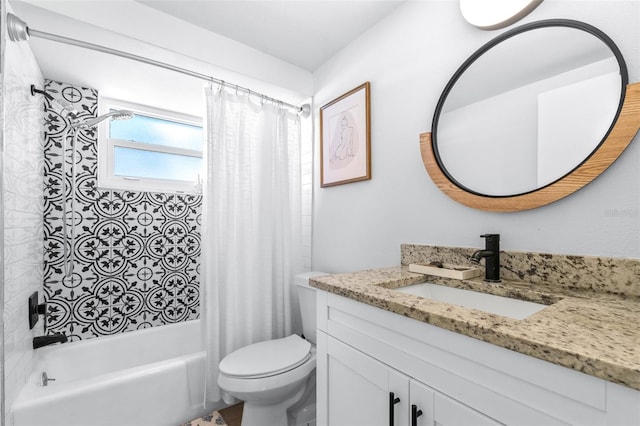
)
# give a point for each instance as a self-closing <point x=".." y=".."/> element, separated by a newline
<point x="137" y="254"/>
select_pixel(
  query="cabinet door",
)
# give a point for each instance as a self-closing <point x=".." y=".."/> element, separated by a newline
<point x="428" y="408"/>
<point x="422" y="397"/>
<point x="358" y="389"/>
<point x="449" y="412"/>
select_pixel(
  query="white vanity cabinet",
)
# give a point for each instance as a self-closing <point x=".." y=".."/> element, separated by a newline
<point x="366" y="356"/>
<point x="366" y="392"/>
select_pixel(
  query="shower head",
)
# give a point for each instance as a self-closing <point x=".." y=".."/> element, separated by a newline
<point x="121" y="114"/>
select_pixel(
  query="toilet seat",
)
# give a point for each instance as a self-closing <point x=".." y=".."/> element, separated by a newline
<point x="265" y="359"/>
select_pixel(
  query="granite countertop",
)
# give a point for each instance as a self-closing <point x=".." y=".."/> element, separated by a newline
<point x="595" y="333"/>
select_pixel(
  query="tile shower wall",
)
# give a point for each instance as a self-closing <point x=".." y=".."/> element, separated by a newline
<point x="22" y="194"/>
<point x="136" y="253"/>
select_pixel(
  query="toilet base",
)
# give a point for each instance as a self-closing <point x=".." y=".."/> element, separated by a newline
<point x="255" y="414"/>
<point x="303" y="412"/>
<point x="305" y="417"/>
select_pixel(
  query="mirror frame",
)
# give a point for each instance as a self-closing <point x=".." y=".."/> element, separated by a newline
<point x="620" y="134"/>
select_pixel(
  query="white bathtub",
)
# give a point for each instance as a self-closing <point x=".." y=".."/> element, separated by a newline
<point x="149" y="377"/>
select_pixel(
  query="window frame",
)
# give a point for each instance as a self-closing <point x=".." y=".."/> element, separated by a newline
<point x="106" y="148"/>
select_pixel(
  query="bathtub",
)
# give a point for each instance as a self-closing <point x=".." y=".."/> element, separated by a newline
<point x="149" y="377"/>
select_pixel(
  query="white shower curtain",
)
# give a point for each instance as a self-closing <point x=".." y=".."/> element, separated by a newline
<point x="252" y="225"/>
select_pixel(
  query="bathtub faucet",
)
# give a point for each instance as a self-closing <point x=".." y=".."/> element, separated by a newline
<point x="40" y="341"/>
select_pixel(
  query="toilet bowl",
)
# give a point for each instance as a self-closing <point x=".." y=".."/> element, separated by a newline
<point x="273" y="376"/>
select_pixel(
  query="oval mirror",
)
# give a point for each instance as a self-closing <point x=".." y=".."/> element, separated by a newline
<point x="528" y="109"/>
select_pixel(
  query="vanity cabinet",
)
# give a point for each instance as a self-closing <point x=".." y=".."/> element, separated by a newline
<point x="363" y="391"/>
<point x="364" y="354"/>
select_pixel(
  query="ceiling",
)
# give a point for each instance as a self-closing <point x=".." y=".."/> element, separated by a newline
<point x="302" y="32"/>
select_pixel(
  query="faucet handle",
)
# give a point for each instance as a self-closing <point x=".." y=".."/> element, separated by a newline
<point x="36" y="309"/>
<point x="491" y="239"/>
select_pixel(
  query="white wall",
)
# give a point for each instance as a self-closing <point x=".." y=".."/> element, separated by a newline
<point x="408" y="58"/>
<point x="23" y="202"/>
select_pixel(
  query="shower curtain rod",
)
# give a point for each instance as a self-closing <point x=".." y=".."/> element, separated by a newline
<point x="18" y="31"/>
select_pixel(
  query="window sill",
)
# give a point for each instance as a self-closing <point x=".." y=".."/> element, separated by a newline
<point x="146" y="185"/>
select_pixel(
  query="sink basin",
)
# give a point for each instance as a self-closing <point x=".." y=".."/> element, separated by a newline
<point x="499" y="305"/>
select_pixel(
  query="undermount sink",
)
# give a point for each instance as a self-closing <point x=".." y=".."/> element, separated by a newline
<point x="499" y="305"/>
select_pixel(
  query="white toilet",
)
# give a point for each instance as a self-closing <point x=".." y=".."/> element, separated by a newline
<point x="276" y="378"/>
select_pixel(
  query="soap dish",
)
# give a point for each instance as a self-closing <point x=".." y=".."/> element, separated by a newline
<point x="458" y="272"/>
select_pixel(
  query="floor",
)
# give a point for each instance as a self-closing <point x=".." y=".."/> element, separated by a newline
<point x="232" y="415"/>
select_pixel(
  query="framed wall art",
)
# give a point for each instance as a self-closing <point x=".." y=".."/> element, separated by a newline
<point x="345" y="138"/>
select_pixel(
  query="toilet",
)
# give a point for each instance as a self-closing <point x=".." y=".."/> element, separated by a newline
<point x="276" y="378"/>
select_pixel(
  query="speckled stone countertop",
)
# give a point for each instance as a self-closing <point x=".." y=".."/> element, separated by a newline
<point x="597" y="333"/>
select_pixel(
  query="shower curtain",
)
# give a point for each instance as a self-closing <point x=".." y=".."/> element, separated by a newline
<point x="252" y="225"/>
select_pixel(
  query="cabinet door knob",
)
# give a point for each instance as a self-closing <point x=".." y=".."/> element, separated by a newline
<point x="415" y="413"/>
<point x="393" y="400"/>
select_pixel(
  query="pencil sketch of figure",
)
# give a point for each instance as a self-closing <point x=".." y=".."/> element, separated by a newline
<point x="344" y="144"/>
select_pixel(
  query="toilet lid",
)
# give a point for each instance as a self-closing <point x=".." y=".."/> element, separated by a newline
<point x="266" y="358"/>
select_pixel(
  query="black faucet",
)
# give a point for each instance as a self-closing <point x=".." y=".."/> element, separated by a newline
<point x="40" y="341"/>
<point x="491" y="255"/>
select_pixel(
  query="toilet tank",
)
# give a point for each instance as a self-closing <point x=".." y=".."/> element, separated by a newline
<point x="307" y="302"/>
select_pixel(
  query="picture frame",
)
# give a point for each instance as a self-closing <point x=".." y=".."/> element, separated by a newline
<point x="345" y="138"/>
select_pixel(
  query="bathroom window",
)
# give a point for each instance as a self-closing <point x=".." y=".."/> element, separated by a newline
<point x="155" y="150"/>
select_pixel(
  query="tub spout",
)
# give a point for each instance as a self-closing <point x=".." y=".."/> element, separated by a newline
<point x="40" y="341"/>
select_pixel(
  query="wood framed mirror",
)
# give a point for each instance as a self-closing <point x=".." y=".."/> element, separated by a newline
<point x="531" y="117"/>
